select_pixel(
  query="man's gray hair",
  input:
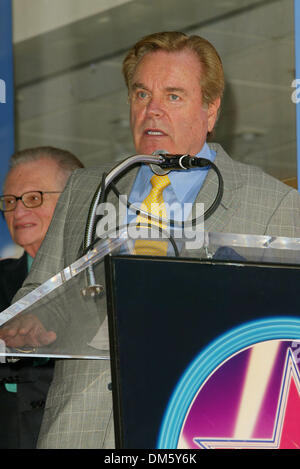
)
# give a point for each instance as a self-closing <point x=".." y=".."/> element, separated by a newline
<point x="65" y="159"/>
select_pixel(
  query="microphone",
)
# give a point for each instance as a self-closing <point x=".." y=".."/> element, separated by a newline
<point x="177" y="162"/>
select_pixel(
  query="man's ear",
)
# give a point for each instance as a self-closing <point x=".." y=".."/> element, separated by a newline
<point x="212" y="113"/>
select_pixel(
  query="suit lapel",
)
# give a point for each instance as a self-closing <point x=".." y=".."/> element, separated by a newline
<point x="232" y="181"/>
<point x="124" y="186"/>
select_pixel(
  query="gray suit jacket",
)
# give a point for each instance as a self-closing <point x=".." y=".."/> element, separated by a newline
<point x="78" y="412"/>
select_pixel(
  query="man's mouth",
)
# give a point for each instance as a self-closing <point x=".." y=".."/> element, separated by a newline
<point x="154" y="133"/>
<point x="24" y="225"/>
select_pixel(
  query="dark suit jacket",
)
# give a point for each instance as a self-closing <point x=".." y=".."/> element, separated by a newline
<point x="12" y="274"/>
<point x="21" y="412"/>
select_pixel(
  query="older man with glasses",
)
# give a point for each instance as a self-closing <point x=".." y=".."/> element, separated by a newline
<point x="30" y="193"/>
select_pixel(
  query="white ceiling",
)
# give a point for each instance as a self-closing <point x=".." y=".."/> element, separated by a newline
<point x="70" y="92"/>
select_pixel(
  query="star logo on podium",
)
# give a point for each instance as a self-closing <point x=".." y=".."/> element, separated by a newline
<point x="286" y="430"/>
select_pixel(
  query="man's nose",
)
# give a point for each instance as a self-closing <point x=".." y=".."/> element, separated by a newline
<point x="155" y="106"/>
<point x="20" y="208"/>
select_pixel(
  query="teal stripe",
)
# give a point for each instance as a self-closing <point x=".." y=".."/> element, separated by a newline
<point x="11" y="387"/>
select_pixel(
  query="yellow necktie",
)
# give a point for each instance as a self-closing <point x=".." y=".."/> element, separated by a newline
<point x="153" y="204"/>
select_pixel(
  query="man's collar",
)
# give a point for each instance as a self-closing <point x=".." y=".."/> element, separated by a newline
<point x="182" y="181"/>
<point x="29" y="261"/>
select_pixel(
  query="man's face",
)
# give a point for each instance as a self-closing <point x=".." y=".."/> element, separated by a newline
<point x="28" y="226"/>
<point x="167" y="110"/>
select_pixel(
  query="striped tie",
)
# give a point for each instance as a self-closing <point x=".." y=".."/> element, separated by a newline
<point x="153" y="204"/>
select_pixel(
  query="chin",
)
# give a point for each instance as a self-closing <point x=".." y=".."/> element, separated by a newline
<point x="149" y="147"/>
<point x="25" y="241"/>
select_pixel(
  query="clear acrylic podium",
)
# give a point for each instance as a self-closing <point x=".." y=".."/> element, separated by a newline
<point x="63" y="306"/>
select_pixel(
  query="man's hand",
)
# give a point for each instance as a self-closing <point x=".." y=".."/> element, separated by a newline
<point x="26" y="330"/>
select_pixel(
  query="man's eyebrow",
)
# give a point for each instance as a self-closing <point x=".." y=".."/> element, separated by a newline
<point x="169" y="89"/>
<point x="172" y="89"/>
<point x="137" y="85"/>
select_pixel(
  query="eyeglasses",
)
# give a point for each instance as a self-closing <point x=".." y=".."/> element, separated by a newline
<point x="30" y="199"/>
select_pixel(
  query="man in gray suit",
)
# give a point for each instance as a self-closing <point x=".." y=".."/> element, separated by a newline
<point x="175" y="86"/>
